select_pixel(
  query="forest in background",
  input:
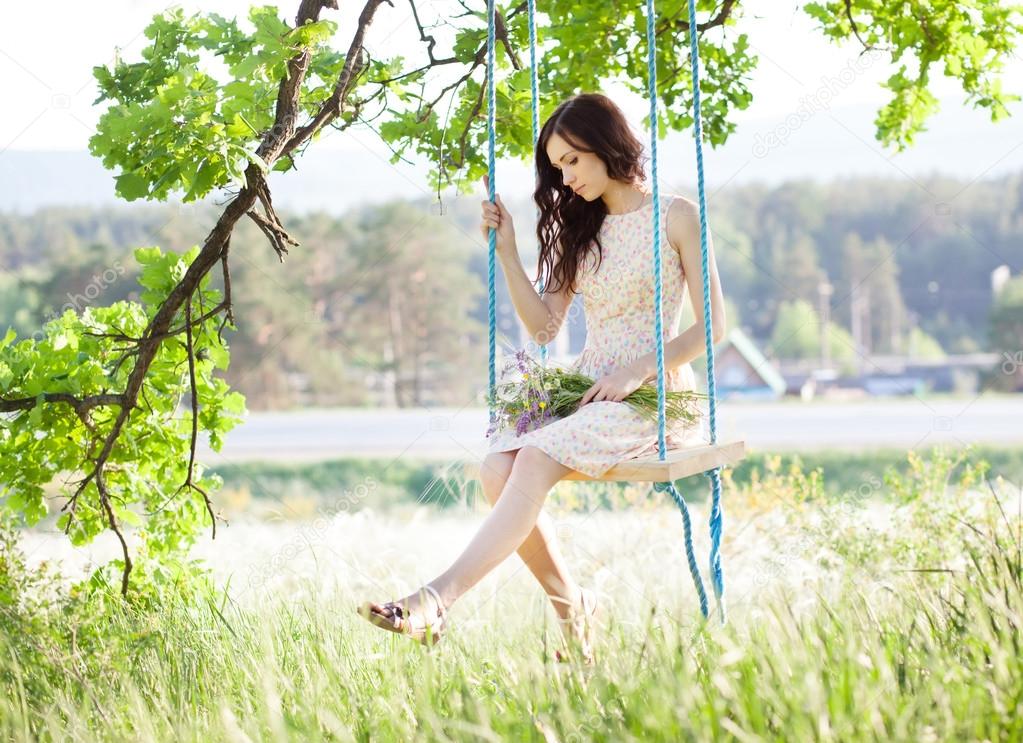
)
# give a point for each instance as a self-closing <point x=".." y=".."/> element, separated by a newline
<point x="387" y="304"/>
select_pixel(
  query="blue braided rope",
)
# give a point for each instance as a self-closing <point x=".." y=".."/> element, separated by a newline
<point x="492" y="233"/>
<point x="717" y="575"/>
<point x="658" y="328"/>
<point x="687" y="526"/>
<point x="531" y="12"/>
<point x="694" y="569"/>
<point x="716" y="572"/>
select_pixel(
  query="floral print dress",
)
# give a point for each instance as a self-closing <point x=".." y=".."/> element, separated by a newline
<point x="618" y="302"/>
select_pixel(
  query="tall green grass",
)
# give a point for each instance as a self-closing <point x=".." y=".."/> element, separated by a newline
<point x="911" y="631"/>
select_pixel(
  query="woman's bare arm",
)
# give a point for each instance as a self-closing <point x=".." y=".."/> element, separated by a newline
<point x="543" y="315"/>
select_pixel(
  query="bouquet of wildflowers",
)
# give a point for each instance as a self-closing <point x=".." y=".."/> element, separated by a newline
<point x="543" y="394"/>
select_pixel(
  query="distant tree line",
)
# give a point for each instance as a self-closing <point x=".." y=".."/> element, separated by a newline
<point x="387" y="305"/>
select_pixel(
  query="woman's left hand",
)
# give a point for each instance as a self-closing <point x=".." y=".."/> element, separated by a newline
<point x="614" y="387"/>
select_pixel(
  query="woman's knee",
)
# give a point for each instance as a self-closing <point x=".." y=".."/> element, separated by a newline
<point x="532" y="460"/>
<point x="494" y="473"/>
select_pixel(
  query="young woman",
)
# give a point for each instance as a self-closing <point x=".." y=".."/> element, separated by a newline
<point x="595" y="238"/>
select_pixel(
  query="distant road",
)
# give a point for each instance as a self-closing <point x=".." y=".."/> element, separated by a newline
<point x="452" y="433"/>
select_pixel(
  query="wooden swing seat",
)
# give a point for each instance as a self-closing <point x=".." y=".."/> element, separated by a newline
<point x="678" y="463"/>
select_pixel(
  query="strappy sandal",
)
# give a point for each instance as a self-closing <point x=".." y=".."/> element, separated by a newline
<point x="583" y="623"/>
<point x="394" y="617"/>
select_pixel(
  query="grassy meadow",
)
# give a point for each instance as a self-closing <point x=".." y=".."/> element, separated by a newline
<point x="888" y="609"/>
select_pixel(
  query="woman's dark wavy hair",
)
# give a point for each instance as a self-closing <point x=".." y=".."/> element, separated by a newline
<point x="568" y="224"/>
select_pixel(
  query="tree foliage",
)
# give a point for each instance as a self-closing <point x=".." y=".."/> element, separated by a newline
<point x="75" y="367"/>
<point x="966" y="40"/>
<point x="797" y="335"/>
<point x="175" y="125"/>
<point x="1005" y="330"/>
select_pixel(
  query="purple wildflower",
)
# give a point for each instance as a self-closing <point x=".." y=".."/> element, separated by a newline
<point x="521" y="358"/>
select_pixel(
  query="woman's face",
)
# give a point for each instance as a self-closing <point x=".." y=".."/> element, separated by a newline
<point x="583" y="172"/>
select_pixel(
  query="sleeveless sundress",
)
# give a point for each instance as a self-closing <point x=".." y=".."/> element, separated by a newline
<point x="618" y="303"/>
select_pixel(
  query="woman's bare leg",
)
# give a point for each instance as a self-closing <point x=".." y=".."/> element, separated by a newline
<point x="504" y="529"/>
<point x="540" y="550"/>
